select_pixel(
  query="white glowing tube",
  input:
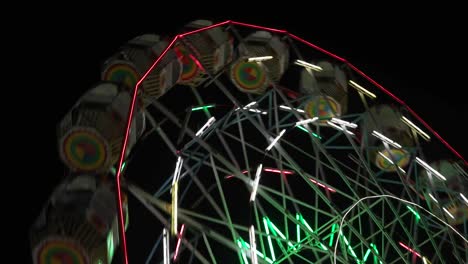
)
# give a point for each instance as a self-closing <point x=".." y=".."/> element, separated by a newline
<point x="177" y="170"/>
<point x="448" y="213"/>
<point x="165" y="246"/>
<point x="250" y="104"/>
<point x="308" y="65"/>
<point x="464" y="198"/>
<point x="418" y="130"/>
<point x="361" y="89"/>
<point x="385" y="139"/>
<point x="206" y="126"/>
<point x="425" y="261"/>
<point x="276" y="140"/>
<point x="291" y="109"/>
<point x="257" y="111"/>
<point x="343" y="122"/>
<point x="259" y="59"/>
<point x="256" y="182"/>
<point x="340" y="128"/>
<point x="391" y="161"/>
<point x="307" y="121"/>
<point x="253" y="247"/>
<point x="433" y="198"/>
<point x="430" y="169"/>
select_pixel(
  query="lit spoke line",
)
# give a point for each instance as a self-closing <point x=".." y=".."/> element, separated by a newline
<point x="429" y="169"/>
<point x="415" y="128"/>
<point x="147" y="199"/>
<point x="361" y="89"/>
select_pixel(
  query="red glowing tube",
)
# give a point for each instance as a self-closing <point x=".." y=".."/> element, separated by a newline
<point x="287" y="172"/>
<point x="203" y="29"/>
<point x="178" y="242"/>
<point x="323" y="185"/>
<point x="316" y="47"/>
<point x="259" y="27"/>
<point x="409" y="249"/>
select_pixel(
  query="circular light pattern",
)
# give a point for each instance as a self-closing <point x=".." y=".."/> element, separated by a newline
<point x="83" y="149"/>
<point x="399" y="156"/>
<point x="121" y="72"/>
<point x="248" y="76"/>
<point x="323" y="107"/>
<point x="60" y="251"/>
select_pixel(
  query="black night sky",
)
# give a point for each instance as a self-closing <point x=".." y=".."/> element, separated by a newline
<point x="418" y="54"/>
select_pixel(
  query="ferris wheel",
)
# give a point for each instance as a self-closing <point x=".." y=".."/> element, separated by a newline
<point x="260" y="147"/>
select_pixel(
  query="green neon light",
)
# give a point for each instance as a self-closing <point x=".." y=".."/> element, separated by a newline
<point x="270" y="244"/>
<point x="298" y="229"/>
<point x="366" y="255"/>
<point x="276" y="230"/>
<point x="304" y="222"/>
<point x="271" y="227"/>
<point x="204" y="107"/>
<point x="414" y="212"/>
<point x="332" y="234"/>
<point x="375" y="255"/>
<point x="244" y="257"/>
<point x="313" y="134"/>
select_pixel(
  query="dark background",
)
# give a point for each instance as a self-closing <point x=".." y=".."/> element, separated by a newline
<point x="418" y="53"/>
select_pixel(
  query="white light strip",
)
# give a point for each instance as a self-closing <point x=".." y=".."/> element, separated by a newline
<point x="433" y="198"/>
<point x="256" y="182"/>
<point x="386" y="158"/>
<point x="250" y="104"/>
<point x="291" y="109"/>
<point x="253" y="246"/>
<point x="343" y="122"/>
<point x="362" y="89"/>
<point x="340" y="128"/>
<point x="430" y="169"/>
<point x="464" y="198"/>
<point x="391" y="162"/>
<point x="385" y="139"/>
<point x="258" y="111"/>
<point x="259" y="59"/>
<point x="166" y="246"/>
<point x="425" y="261"/>
<point x="275" y="140"/>
<point x="177" y="170"/>
<point x="307" y="121"/>
<point x="308" y="65"/>
<point x="418" y="130"/>
<point x="206" y="126"/>
<point x="448" y="213"/>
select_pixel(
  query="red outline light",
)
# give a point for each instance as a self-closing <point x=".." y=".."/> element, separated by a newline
<point x="122" y="154"/>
